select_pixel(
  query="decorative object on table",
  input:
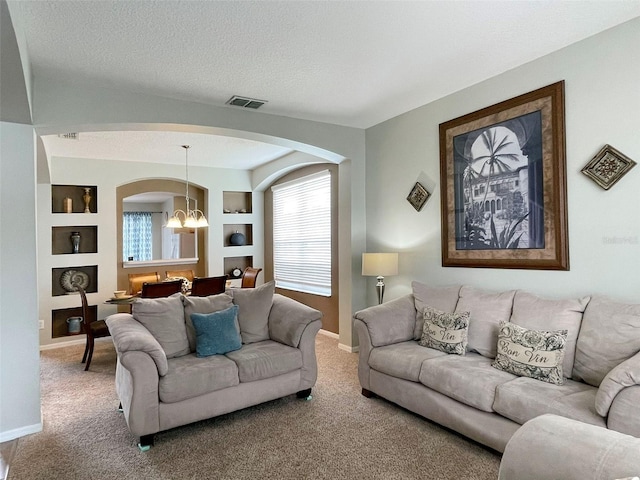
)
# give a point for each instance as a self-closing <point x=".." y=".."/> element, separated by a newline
<point x="379" y="265"/>
<point x="74" y="325"/>
<point x="237" y="239"/>
<point x="72" y="278"/>
<point x="418" y="196"/>
<point x="67" y="205"/>
<point x="503" y="184"/>
<point x="192" y="218"/>
<point x="75" y="242"/>
<point x="236" y="272"/>
<point x="86" y="198"/>
<point x="186" y="283"/>
<point x="608" y="166"/>
<point x="120" y="294"/>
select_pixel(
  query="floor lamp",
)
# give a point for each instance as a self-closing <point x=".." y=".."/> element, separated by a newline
<point x="379" y="265"/>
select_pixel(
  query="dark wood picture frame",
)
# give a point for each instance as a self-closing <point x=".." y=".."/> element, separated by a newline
<point x="418" y="196"/>
<point x="503" y="184"/>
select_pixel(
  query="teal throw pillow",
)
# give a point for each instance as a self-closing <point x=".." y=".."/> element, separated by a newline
<point x="217" y="333"/>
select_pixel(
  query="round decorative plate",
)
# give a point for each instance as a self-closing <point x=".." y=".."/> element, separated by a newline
<point x="69" y="278"/>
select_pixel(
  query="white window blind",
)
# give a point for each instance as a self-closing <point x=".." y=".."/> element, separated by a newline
<point x="302" y="234"/>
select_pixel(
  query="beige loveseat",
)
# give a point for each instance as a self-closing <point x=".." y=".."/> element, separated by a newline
<point x="598" y="364"/>
<point x="163" y="379"/>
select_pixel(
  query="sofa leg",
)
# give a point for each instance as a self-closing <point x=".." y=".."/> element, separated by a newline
<point x="120" y="407"/>
<point x="146" y="442"/>
<point x="368" y="393"/>
<point x="306" y="394"/>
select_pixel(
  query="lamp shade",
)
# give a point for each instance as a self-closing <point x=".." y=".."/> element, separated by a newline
<point x="379" y="264"/>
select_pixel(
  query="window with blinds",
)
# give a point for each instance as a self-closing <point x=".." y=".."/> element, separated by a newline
<point x="302" y="234"/>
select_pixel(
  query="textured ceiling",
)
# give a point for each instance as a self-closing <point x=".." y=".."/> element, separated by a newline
<point x="353" y="63"/>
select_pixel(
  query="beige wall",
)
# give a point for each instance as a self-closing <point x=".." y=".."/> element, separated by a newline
<point x="329" y="306"/>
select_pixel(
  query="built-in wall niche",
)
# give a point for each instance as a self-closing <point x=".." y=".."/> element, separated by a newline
<point x="230" y="263"/>
<point x="237" y="202"/>
<point x="59" y="324"/>
<point x="62" y="242"/>
<point x="74" y="199"/>
<point x="63" y="279"/>
<point x="233" y="234"/>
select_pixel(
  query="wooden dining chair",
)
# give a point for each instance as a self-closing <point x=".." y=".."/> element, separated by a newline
<point x="160" y="289"/>
<point x="188" y="274"/>
<point x="249" y="277"/>
<point x="205" y="286"/>
<point x="92" y="328"/>
<point x="137" y="279"/>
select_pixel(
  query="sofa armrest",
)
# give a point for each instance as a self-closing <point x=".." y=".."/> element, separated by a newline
<point x="129" y="335"/>
<point x="550" y="447"/>
<point x="391" y="322"/>
<point x="626" y="374"/>
<point x="289" y="318"/>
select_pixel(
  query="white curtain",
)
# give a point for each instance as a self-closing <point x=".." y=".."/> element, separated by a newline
<point x="137" y="236"/>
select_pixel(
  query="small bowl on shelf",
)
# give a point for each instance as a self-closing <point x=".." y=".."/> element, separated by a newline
<point x="119" y="294"/>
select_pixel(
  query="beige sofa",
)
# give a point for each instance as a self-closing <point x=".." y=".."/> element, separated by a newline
<point x="162" y="379"/>
<point x="600" y="361"/>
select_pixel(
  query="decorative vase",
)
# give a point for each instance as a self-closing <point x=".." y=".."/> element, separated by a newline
<point x="75" y="242"/>
<point x="237" y="239"/>
<point x="87" y="199"/>
<point x="74" y="325"/>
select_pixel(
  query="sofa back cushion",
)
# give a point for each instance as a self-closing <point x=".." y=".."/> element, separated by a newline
<point x="253" y="314"/>
<point x="538" y="313"/>
<point x="610" y="334"/>
<point x="487" y="309"/>
<point x="210" y="304"/>
<point x="164" y="318"/>
<point x="440" y="298"/>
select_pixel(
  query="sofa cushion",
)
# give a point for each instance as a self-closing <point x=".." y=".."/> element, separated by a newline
<point x="609" y="335"/>
<point x="253" y="316"/>
<point x="190" y="376"/>
<point x="487" y="310"/>
<point x="537" y="313"/>
<point x="210" y="304"/>
<point x="529" y="353"/>
<point x="164" y="318"/>
<point x="446" y="332"/>
<point x="217" y="333"/>
<point x="469" y="379"/>
<point x="524" y="398"/>
<point x="402" y="360"/>
<point x="265" y="359"/>
<point x="442" y="298"/>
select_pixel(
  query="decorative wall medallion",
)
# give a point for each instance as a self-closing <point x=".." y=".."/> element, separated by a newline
<point x="608" y="166"/>
<point x="418" y="196"/>
<point x="70" y="278"/>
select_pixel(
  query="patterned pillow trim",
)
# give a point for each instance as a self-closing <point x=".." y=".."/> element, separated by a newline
<point x="536" y="354"/>
<point x="446" y="332"/>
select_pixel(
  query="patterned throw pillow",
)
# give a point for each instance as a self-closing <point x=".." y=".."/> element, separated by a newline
<point x="446" y="332"/>
<point x="531" y="353"/>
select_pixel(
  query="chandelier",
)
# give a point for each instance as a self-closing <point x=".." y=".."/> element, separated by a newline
<point x="191" y="218"/>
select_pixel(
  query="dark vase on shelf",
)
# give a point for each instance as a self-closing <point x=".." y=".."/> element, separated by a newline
<point x="75" y="242"/>
<point x="237" y="239"/>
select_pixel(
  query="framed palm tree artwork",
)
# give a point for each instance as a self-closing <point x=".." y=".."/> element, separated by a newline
<point x="503" y="184"/>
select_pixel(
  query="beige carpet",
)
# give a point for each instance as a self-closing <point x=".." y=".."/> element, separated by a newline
<point x="338" y="435"/>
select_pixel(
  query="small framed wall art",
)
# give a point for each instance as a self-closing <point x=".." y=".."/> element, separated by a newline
<point x="608" y="166"/>
<point x="418" y="196"/>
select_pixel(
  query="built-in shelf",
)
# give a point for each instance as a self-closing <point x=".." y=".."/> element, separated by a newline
<point x="65" y="274"/>
<point x="59" y="325"/>
<point x="61" y="239"/>
<point x="241" y="262"/>
<point x="62" y="195"/>
<point x="230" y="229"/>
<point x="237" y="202"/>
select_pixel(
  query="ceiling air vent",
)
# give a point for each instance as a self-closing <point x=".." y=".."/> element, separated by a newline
<point x="238" y="101"/>
<point x="70" y="136"/>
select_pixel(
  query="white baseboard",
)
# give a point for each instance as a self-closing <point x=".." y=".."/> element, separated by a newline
<point x="349" y="349"/>
<point x="20" y="432"/>
<point x="327" y="333"/>
<point x="76" y="341"/>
